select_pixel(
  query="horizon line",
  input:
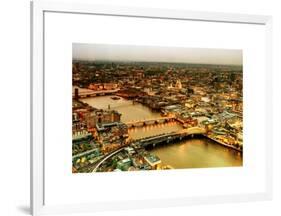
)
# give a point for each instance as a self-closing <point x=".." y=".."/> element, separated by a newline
<point x="130" y="61"/>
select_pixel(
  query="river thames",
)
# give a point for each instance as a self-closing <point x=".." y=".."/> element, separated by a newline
<point x="191" y="153"/>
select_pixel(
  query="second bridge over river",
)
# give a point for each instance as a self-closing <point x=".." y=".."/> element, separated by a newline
<point x="145" y="122"/>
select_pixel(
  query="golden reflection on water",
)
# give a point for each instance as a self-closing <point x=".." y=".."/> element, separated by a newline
<point x="152" y="130"/>
<point x="197" y="153"/>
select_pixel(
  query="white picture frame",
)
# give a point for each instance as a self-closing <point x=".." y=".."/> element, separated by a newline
<point x="38" y="10"/>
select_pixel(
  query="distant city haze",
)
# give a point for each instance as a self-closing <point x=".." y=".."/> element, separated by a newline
<point x="130" y="53"/>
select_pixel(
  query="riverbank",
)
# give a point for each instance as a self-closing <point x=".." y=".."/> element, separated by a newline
<point x="222" y="143"/>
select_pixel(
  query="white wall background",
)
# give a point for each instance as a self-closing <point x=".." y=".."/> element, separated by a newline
<point x="14" y="109"/>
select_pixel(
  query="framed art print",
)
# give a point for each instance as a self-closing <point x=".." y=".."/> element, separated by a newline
<point x="140" y="107"/>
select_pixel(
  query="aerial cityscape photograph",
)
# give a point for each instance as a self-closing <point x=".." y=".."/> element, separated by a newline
<point x="140" y="108"/>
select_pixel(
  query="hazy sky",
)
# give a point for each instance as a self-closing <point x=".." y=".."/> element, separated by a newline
<point x="155" y="54"/>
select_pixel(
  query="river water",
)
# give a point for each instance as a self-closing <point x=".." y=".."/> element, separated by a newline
<point x="129" y="111"/>
<point x="191" y="153"/>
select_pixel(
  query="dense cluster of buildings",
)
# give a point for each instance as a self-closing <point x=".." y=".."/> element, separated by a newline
<point x="208" y="96"/>
<point x="132" y="158"/>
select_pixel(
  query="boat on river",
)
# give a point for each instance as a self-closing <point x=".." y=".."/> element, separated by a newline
<point x="115" y="98"/>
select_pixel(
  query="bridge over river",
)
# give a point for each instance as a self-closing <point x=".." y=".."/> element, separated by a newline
<point x="83" y="92"/>
<point x="141" y="123"/>
<point x="155" y="140"/>
<point x="169" y="137"/>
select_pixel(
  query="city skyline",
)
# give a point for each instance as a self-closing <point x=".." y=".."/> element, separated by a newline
<point x="129" y="116"/>
<point x="132" y="53"/>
